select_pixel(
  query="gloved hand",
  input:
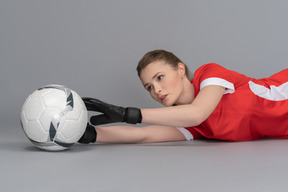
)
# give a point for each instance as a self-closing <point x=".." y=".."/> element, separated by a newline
<point x="111" y="113"/>
<point x="89" y="135"/>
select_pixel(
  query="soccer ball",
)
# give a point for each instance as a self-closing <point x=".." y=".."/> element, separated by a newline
<point x="54" y="117"/>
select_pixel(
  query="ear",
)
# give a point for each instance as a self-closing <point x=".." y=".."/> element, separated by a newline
<point x="181" y="69"/>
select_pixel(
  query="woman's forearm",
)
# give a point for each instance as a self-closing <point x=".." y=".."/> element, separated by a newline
<point x="177" y="116"/>
<point x="186" y="115"/>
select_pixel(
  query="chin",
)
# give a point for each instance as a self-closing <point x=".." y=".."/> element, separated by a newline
<point x="168" y="104"/>
<point x="164" y="104"/>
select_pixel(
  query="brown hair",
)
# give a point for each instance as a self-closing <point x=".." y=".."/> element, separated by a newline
<point x="162" y="55"/>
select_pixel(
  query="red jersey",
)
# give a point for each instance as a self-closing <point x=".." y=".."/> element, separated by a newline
<point x="250" y="108"/>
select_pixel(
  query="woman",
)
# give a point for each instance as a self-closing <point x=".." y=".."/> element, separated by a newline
<point x="216" y="104"/>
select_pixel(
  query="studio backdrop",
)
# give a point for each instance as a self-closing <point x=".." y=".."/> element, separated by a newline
<point x="93" y="47"/>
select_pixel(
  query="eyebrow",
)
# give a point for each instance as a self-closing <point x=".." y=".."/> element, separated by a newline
<point x="154" y="76"/>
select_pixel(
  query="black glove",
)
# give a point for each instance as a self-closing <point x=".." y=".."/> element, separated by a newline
<point x="111" y="113"/>
<point x="89" y="135"/>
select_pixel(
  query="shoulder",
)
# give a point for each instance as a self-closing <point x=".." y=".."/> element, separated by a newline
<point x="217" y="71"/>
<point x="209" y="67"/>
<point x="209" y="70"/>
<point x="215" y="74"/>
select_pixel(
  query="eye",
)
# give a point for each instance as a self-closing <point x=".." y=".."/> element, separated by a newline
<point x="149" y="88"/>
<point x="160" y="77"/>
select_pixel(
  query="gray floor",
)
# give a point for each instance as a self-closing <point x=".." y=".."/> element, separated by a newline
<point x="176" y="166"/>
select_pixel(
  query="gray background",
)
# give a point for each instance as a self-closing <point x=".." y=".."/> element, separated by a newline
<point x="93" y="47"/>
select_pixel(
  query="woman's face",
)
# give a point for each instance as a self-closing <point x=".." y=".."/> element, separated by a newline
<point x="164" y="83"/>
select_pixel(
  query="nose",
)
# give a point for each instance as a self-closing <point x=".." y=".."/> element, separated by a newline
<point x="157" y="89"/>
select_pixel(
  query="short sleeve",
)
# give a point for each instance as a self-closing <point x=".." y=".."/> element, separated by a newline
<point x="214" y="74"/>
<point x="229" y="87"/>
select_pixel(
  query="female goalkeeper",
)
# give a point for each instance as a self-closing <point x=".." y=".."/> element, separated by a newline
<point x="216" y="104"/>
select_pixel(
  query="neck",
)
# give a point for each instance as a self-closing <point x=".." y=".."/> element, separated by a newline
<point x="188" y="93"/>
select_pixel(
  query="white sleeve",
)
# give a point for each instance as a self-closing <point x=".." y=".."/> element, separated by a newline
<point x="218" y="81"/>
<point x="186" y="133"/>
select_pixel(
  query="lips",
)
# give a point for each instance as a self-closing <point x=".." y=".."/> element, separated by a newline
<point x="163" y="98"/>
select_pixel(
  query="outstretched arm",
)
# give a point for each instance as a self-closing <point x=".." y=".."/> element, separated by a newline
<point x="146" y="134"/>
<point x="129" y="134"/>
<point x="186" y="115"/>
<point x="177" y="116"/>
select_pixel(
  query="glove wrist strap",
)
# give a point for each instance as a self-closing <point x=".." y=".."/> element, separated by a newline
<point x="133" y="115"/>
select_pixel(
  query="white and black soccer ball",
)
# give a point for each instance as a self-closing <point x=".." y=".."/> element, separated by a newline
<point x="54" y="117"/>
